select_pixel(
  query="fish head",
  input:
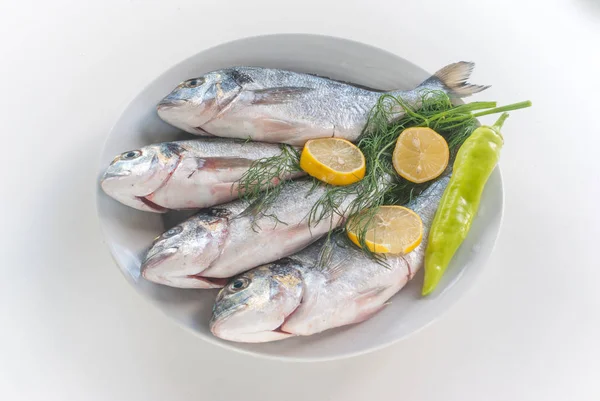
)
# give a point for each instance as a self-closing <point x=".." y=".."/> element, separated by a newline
<point x="137" y="173"/>
<point x="253" y="305"/>
<point x="179" y="256"/>
<point x="197" y="101"/>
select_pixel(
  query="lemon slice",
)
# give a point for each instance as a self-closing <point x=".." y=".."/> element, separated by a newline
<point x="333" y="160"/>
<point x="392" y="229"/>
<point x="421" y="154"/>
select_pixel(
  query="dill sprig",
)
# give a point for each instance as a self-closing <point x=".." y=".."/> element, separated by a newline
<point x="381" y="184"/>
<point x="260" y="184"/>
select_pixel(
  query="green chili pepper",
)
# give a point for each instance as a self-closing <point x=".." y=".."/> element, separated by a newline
<point x="474" y="163"/>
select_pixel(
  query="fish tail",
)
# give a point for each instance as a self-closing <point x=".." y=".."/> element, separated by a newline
<point x="453" y="78"/>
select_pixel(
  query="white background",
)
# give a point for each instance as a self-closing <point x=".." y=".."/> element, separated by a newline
<point x="72" y="329"/>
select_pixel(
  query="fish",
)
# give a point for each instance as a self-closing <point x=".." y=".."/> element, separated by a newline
<point x="272" y="105"/>
<point x="303" y="294"/>
<point x="218" y="243"/>
<point x="191" y="174"/>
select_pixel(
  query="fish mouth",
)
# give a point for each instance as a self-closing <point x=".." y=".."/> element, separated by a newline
<point x="211" y="281"/>
<point x="109" y="175"/>
<point x="155" y="207"/>
<point x="191" y="282"/>
<point x="215" y="324"/>
<point x="201" y="131"/>
<point x="167" y="103"/>
<point x="249" y="337"/>
<point x="137" y="202"/>
<point x="152" y="260"/>
<point x="152" y="273"/>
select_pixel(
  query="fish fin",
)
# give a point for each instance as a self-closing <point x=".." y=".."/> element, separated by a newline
<point x="334" y="271"/>
<point x="370" y="293"/>
<point x="201" y="131"/>
<point x="224" y="163"/>
<point x="274" y="126"/>
<point x="369" y="314"/>
<point x="364" y="299"/>
<point x="171" y="149"/>
<point x="454" y="77"/>
<point x="279" y="95"/>
<point x="252" y="209"/>
<point x="280" y="131"/>
<point x="240" y="78"/>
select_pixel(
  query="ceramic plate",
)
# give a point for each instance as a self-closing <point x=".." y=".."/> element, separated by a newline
<point x="129" y="232"/>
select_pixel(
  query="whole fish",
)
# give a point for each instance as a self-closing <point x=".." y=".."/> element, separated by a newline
<point x="220" y="242"/>
<point x="183" y="175"/>
<point x="280" y="106"/>
<point x="295" y="296"/>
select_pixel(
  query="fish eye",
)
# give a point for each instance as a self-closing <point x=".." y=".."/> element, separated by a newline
<point x="193" y="83"/>
<point x="239" y="284"/>
<point x="132" y="154"/>
<point x="173" y="231"/>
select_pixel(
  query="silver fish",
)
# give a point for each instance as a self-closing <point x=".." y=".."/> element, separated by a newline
<point x="221" y="242"/>
<point x="182" y="175"/>
<point x="272" y="105"/>
<point x="296" y="297"/>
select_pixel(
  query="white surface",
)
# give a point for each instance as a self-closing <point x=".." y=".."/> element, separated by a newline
<point x="72" y="329"/>
<point x="129" y="232"/>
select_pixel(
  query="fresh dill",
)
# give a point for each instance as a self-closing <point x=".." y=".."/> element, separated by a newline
<point x="381" y="184"/>
<point x="260" y="184"/>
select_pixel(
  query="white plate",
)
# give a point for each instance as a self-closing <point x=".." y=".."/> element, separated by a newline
<point x="128" y="231"/>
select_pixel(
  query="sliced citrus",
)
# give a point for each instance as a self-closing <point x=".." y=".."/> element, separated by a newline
<point x="421" y="154"/>
<point x="333" y="160"/>
<point x="392" y="229"/>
